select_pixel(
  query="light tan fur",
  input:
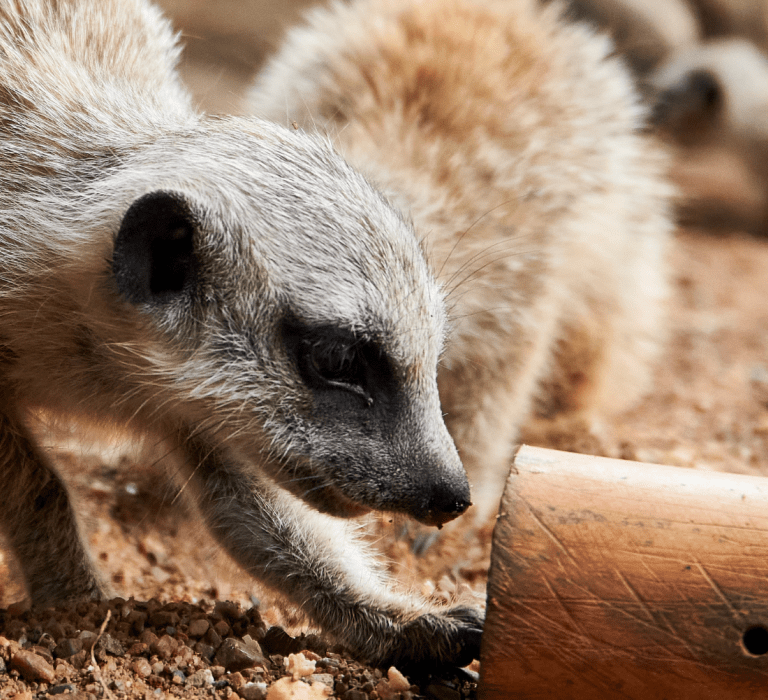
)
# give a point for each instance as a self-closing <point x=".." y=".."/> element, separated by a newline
<point x="227" y="285"/>
<point x="516" y="143"/>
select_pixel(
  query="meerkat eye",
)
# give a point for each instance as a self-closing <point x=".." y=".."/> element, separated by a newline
<point x="335" y="364"/>
<point x="336" y="359"/>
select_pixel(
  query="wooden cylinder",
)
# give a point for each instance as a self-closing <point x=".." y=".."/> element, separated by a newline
<point x="617" y="579"/>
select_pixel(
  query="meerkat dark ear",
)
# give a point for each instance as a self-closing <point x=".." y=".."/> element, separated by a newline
<point x="154" y="256"/>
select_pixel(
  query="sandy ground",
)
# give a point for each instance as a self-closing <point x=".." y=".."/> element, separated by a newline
<point x="708" y="410"/>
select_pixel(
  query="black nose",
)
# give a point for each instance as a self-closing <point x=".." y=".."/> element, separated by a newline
<point x="445" y="502"/>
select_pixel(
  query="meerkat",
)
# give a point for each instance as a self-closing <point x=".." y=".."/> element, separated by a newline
<point x="516" y="143"/>
<point x="712" y="98"/>
<point x="231" y="286"/>
<point x="714" y="91"/>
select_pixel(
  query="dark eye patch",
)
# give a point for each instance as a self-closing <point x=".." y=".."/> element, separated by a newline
<point x="335" y="359"/>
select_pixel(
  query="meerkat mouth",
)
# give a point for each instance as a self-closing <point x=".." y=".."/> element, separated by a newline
<point x="320" y="495"/>
<point x="331" y="501"/>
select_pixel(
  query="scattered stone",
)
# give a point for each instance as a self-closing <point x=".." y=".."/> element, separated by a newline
<point x="235" y="655"/>
<point x="111" y="645"/>
<point x="160" y="666"/>
<point x="138" y="649"/>
<point x="44" y="652"/>
<point x="155" y="681"/>
<point x="148" y="637"/>
<point x="164" y="647"/>
<point x="278" y="641"/>
<point x="213" y="638"/>
<point x="67" y="647"/>
<point x="324" y="678"/>
<point x="253" y="691"/>
<point x="63" y="688"/>
<point x="78" y="660"/>
<point x="197" y="628"/>
<point x="236" y="680"/>
<point x="205" y="650"/>
<point x="200" y="679"/>
<point x="32" y="666"/>
<point x="141" y="668"/>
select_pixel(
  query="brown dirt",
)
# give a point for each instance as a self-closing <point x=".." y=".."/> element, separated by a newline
<point x="708" y="410"/>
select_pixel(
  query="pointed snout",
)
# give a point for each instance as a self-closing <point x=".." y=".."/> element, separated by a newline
<point x="443" y="488"/>
<point x="445" y="501"/>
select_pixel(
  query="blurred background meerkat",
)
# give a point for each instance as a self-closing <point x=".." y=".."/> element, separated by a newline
<point x="703" y="68"/>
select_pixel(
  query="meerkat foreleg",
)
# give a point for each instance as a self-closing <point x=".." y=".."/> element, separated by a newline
<point x="317" y="562"/>
<point x="41" y="527"/>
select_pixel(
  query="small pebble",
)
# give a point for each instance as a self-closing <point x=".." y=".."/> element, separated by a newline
<point x="63" y="688"/>
<point x="32" y="666"/>
<point x="218" y="671"/>
<point x="228" y="609"/>
<point x="324" y="678"/>
<point x="111" y="645"/>
<point x="199" y="679"/>
<point x="253" y="691"/>
<point x="141" y="667"/>
<point x="235" y="655"/>
<point x="67" y="647"/>
<point x="164" y="647"/>
<point x="197" y="628"/>
<point x="278" y="641"/>
<point x="164" y="618"/>
<point x="222" y="628"/>
<point x="205" y="650"/>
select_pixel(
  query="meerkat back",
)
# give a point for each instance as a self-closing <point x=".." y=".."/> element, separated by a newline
<point x="515" y="142"/>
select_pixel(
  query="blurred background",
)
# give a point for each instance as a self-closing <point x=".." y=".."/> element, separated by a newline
<point x="701" y="66"/>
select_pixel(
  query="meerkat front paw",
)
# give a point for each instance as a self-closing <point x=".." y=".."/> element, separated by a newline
<point x="436" y="640"/>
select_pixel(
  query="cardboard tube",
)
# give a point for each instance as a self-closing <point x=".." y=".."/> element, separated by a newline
<point x="617" y="579"/>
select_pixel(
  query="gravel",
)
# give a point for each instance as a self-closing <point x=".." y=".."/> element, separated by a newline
<point x="150" y="650"/>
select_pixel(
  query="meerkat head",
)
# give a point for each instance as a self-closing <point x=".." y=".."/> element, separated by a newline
<point x="713" y="91"/>
<point x="293" y="318"/>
